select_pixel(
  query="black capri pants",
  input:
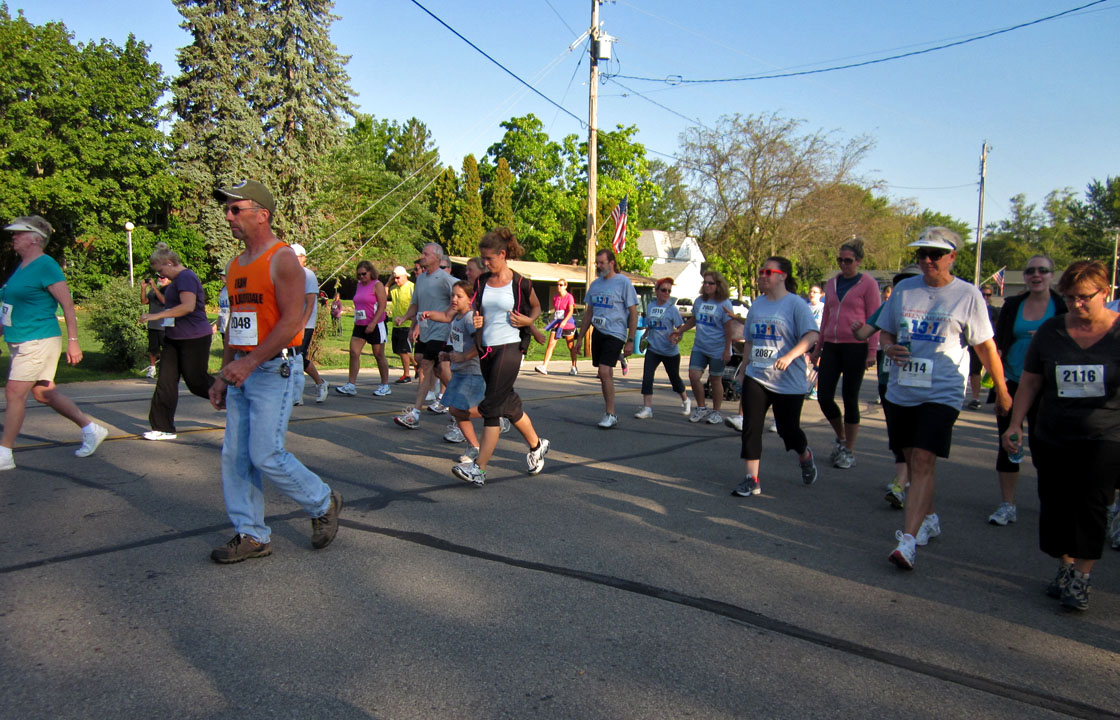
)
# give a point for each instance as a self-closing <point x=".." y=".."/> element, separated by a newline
<point x="500" y="366"/>
<point x="672" y="369"/>
<point x="849" y="360"/>
<point x="787" y="416"/>
<point x="1076" y="481"/>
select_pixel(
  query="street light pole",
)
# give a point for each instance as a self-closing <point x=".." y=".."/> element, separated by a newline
<point x="129" y="227"/>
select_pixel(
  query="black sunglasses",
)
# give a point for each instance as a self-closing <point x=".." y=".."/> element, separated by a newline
<point x="1039" y="270"/>
<point x="845" y="261"/>
<point x="236" y="210"/>
<point x="934" y="254"/>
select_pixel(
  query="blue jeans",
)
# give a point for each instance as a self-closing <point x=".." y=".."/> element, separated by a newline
<point x="256" y="422"/>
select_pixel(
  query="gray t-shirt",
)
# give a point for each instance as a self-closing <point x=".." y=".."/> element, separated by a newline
<point x="660" y="321"/>
<point x="710" y="315"/>
<point x="461" y="339"/>
<point x="609" y="300"/>
<point x="311" y="287"/>
<point x="943" y="322"/>
<point x="772" y="329"/>
<point x="433" y="292"/>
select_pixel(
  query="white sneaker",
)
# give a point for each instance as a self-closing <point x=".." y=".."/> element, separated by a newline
<point x="644" y="414"/>
<point x="430" y="397"/>
<point x="469" y="456"/>
<point x="437" y="408"/>
<point x="931" y="528"/>
<point x="323" y="387"/>
<point x="505" y="424"/>
<point x="159" y="435"/>
<point x="541" y="369"/>
<point x="91" y="440"/>
<point x="454" y="434"/>
<point x="735" y="422"/>
<point x="905" y="554"/>
<point x="535" y="458"/>
<point x="1004" y="514"/>
<point x="573" y="371"/>
<point x="698" y="414"/>
<point x="150" y="372"/>
<point x="7" y="461"/>
<point x="845" y="459"/>
<point x="686" y="406"/>
<point x="347" y="389"/>
<point x="773" y="427"/>
<point x="469" y="472"/>
<point x="383" y="390"/>
<point x="714" y="418"/>
<point x="608" y="421"/>
<point x="410" y="419"/>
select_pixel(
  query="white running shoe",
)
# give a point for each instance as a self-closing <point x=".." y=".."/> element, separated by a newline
<point x="437" y="408"/>
<point x="347" y="389"/>
<point x="150" y="372"/>
<point x="686" y="406"/>
<point x="608" y="421"/>
<point x="430" y="397"/>
<point x="698" y="414"/>
<point x="714" y="418"/>
<point x="1004" y="514"/>
<point x="322" y="387"/>
<point x="454" y="434"/>
<point x="773" y="427"/>
<point x="159" y="435"/>
<point x="573" y="371"/>
<point x="410" y="419"/>
<point x="469" y="456"/>
<point x="845" y="460"/>
<point x="505" y="424"/>
<point x="931" y="528"/>
<point x="469" y="472"/>
<point x="541" y="369"/>
<point x="91" y="440"/>
<point x="535" y="458"/>
<point x="905" y="554"/>
<point x="735" y="422"/>
<point x="7" y="462"/>
<point x="383" y="390"/>
<point x="644" y="413"/>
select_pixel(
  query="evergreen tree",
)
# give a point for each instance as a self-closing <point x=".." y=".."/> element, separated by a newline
<point x="445" y="193"/>
<point x="469" y="221"/>
<point x="501" y="198"/>
<point x="301" y="99"/>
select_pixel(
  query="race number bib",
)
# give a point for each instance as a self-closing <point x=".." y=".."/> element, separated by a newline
<point x="655" y="313"/>
<point x="763" y="357"/>
<point x="167" y="322"/>
<point x="1080" y="381"/>
<point x="558" y="314"/>
<point x="598" y="322"/>
<point x="5" y="314"/>
<point x="243" y="328"/>
<point x="360" y="315"/>
<point x="916" y="372"/>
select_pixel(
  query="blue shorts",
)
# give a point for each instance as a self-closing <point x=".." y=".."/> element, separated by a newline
<point x="464" y="391"/>
<point x="700" y="360"/>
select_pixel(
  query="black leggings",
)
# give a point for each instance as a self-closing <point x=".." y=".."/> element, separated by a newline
<point x="787" y="415"/>
<point x="186" y="359"/>
<point x="500" y="366"/>
<point x="849" y="360"/>
<point x="672" y="369"/>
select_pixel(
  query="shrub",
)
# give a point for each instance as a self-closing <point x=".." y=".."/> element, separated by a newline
<point x="113" y="319"/>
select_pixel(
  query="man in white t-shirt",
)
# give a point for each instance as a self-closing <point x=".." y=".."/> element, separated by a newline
<point x="310" y="318"/>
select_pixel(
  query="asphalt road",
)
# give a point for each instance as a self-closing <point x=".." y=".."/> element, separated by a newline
<point x="624" y="581"/>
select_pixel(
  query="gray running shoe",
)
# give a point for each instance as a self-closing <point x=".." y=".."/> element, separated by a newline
<point x="1075" y="596"/>
<point x="469" y="472"/>
<point x="469" y="456"/>
<point x="837" y="450"/>
<point x="1004" y="514"/>
<point x="845" y="460"/>
<point x="748" y="487"/>
<point x="1058" y="585"/>
<point x="808" y="469"/>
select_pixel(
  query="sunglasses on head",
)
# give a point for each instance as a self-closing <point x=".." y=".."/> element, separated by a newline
<point x="1039" y="270"/>
<point x="934" y="254"/>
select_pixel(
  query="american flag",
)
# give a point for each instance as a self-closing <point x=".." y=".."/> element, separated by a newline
<point x="998" y="277"/>
<point x="619" y="217"/>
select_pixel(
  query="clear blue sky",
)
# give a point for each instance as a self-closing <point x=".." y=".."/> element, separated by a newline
<point x="1044" y="97"/>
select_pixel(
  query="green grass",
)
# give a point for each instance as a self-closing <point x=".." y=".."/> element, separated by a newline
<point x="335" y="355"/>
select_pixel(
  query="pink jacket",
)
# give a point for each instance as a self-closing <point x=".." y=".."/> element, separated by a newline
<point x="858" y="304"/>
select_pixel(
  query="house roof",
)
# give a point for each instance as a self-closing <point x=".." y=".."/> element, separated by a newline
<point x="660" y="243"/>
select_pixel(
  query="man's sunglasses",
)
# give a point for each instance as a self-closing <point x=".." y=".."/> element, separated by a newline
<point x="934" y="254"/>
<point x="237" y="210"/>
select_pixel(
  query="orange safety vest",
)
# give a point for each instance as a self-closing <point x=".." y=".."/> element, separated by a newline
<point x="252" y="303"/>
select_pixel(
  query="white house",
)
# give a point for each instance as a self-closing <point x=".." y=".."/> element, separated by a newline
<point x="674" y="255"/>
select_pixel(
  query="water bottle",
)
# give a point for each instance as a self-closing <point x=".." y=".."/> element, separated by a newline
<point x="1017" y="456"/>
<point x="904" y="334"/>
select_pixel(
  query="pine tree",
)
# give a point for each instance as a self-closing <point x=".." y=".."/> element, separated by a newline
<point x="501" y="197"/>
<point x="302" y="98"/>
<point x="445" y="191"/>
<point x="469" y="220"/>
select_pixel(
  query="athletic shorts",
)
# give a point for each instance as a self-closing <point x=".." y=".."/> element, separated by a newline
<point x="35" y="360"/>
<point x="464" y="391"/>
<point x="155" y="341"/>
<point x="975" y="367"/>
<point x="928" y="426"/>
<point x="700" y="360"/>
<point x="377" y="337"/>
<point x="402" y="341"/>
<point x="429" y="350"/>
<point x="605" y="349"/>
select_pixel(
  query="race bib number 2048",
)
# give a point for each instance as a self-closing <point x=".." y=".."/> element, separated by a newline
<point x="243" y="328"/>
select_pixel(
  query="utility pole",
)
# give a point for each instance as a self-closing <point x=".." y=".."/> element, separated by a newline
<point x="593" y="145"/>
<point x="980" y="213"/>
<point x="1115" y="257"/>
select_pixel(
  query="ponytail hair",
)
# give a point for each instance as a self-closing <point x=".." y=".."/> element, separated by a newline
<point x="785" y="266"/>
<point x="502" y="240"/>
<point x="163" y="254"/>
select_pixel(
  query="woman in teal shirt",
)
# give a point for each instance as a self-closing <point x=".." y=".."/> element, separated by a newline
<point x="28" y="303"/>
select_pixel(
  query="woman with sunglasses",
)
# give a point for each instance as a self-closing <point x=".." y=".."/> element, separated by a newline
<point x="1018" y="321"/>
<point x="561" y="326"/>
<point x="779" y="331"/>
<point x="370" y="301"/>
<point x="712" y="314"/>
<point x="926" y="326"/>
<point x="662" y="319"/>
<point x="850" y="297"/>
<point x="1072" y="367"/>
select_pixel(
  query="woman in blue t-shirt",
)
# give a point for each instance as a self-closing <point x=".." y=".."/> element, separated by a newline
<point x="28" y="303"/>
<point x="662" y="318"/>
<point x="186" y="344"/>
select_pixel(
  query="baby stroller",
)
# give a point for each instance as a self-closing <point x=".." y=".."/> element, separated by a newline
<point x="732" y="391"/>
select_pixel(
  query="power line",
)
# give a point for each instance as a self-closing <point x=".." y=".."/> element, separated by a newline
<point x="678" y="80"/>
<point x="550" y="5"/>
<point x="503" y="67"/>
<point x="944" y="187"/>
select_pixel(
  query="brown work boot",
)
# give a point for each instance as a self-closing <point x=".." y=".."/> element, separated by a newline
<point x="325" y="527"/>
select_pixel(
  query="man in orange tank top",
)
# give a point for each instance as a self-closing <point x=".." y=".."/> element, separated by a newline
<point x="257" y="382"/>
